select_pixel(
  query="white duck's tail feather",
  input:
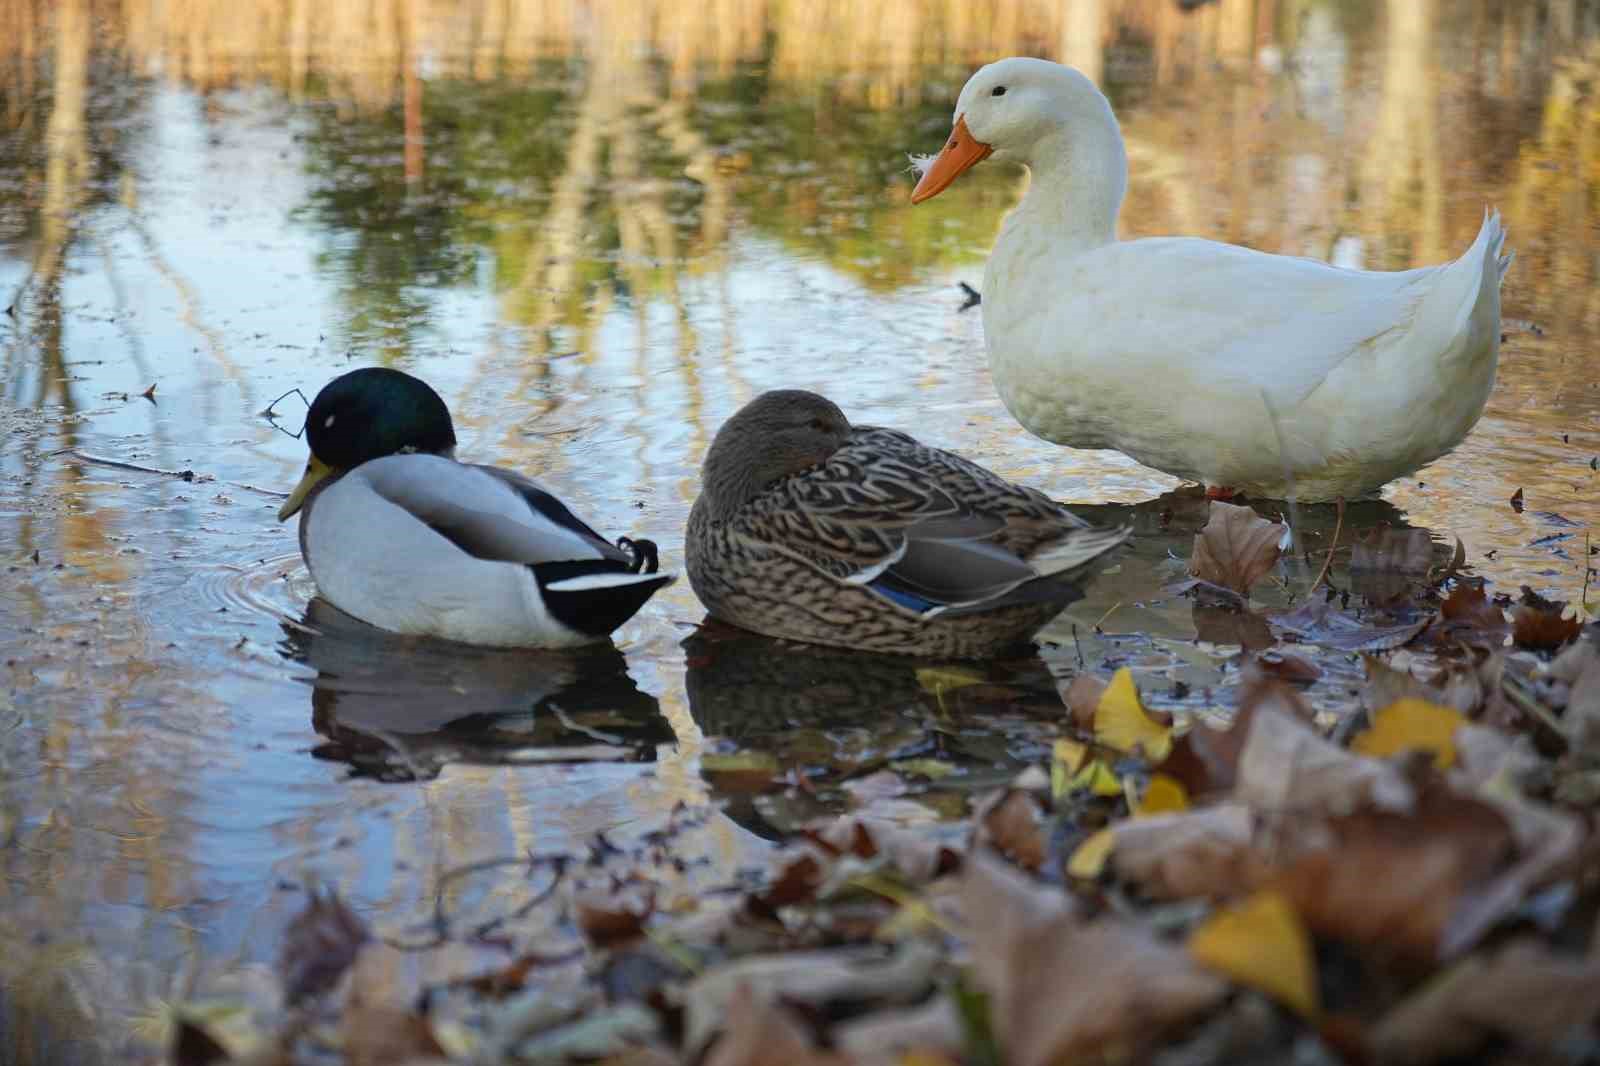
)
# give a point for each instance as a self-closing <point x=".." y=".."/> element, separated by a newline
<point x="1466" y="295"/>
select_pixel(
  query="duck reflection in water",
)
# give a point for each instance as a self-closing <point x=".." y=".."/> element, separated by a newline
<point x="399" y="708"/>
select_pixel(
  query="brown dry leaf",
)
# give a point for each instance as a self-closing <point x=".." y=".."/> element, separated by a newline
<point x="859" y="977"/>
<point x="918" y="1035"/>
<point x="1286" y="767"/>
<point x="1388" y="562"/>
<point x="1014" y="826"/>
<point x="1581" y="719"/>
<point x="916" y="854"/>
<point x="615" y="916"/>
<point x="193" y="1046"/>
<point x="319" y="945"/>
<point x="1204" y="853"/>
<point x="1082" y="698"/>
<point x="1287" y="666"/>
<point x="1236" y="548"/>
<point x="885" y="784"/>
<point x="1060" y="987"/>
<point x="378" y="1026"/>
<point x="761" y="1033"/>
<point x="1469" y="613"/>
<point x="1317" y="622"/>
<point x="1516" y="501"/>
<point x="1526" y="994"/>
<point x="1397" y="882"/>
<point x="1262" y="944"/>
<point x="798" y="879"/>
<point x="1542" y="629"/>
<point x="1412" y="725"/>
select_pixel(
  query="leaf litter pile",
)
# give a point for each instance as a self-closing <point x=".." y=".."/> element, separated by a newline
<point x="1411" y="881"/>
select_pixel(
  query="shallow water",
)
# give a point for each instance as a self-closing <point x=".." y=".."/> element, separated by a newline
<point x="597" y="244"/>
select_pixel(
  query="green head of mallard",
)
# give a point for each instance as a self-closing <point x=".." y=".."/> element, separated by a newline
<point x="366" y="414"/>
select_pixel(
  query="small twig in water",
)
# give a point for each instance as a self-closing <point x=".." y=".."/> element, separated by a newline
<point x="1338" y="527"/>
<point x="1108" y="614"/>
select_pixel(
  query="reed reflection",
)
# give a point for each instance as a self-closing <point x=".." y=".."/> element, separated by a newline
<point x="399" y="708"/>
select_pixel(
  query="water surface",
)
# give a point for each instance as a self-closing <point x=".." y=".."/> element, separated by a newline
<point x="598" y="238"/>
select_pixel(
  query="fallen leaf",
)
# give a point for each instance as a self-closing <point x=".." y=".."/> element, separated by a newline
<point x="1097" y="778"/>
<point x="1316" y="622"/>
<point x="937" y="680"/>
<point x="762" y="1033"/>
<point x="1236" y="547"/>
<point x="1387" y="563"/>
<point x="1060" y="987"/>
<point x="1468" y="607"/>
<point x="1286" y="767"/>
<point x="1516" y="501"/>
<point x="1287" y="666"/>
<point x="927" y="1035"/>
<point x="1262" y="944"/>
<point x="1014" y="826"/>
<point x="1120" y="721"/>
<point x="1396" y="881"/>
<point x="1412" y="725"/>
<point x="1542" y="629"/>
<point x="859" y="977"/>
<point x="1203" y="853"/>
<point x="884" y="784"/>
<point x="615" y="916"/>
<point x="1088" y="859"/>
<point x="319" y="945"/>
<point x="1581" y="719"/>
<point x="742" y="772"/>
<point x="193" y="1046"/>
<point x="1162" y="795"/>
<point x="1526" y="994"/>
<point x="378" y="1025"/>
<point x="1082" y="698"/>
<point x="916" y="854"/>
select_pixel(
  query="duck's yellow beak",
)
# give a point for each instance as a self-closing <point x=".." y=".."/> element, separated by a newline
<point x="961" y="151"/>
<point x="316" y="470"/>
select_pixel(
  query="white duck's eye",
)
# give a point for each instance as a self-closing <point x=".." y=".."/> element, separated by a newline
<point x="999" y="90"/>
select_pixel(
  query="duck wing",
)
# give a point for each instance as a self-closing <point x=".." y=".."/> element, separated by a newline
<point x="924" y="528"/>
<point x="488" y="513"/>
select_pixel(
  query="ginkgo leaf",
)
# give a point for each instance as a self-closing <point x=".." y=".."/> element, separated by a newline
<point x="1261" y="944"/>
<point x="1162" y="795"/>
<point x="938" y="679"/>
<point x="1098" y="778"/>
<point x="1065" y="760"/>
<point x="1120" y="721"/>
<point x="1088" y="859"/>
<point x="1412" y="725"/>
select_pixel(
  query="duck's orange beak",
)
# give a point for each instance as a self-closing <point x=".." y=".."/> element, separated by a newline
<point x="961" y="151"/>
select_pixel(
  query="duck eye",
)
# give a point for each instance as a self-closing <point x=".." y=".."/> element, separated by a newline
<point x="999" y="90"/>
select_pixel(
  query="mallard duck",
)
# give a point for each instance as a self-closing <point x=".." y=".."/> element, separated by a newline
<point x="399" y="534"/>
<point x="1245" y="371"/>
<point x="812" y="529"/>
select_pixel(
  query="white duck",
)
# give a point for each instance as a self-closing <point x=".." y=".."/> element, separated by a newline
<point x="1249" y="372"/>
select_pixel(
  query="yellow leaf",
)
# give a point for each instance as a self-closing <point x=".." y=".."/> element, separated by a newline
<point x="1120" y="721"/>
<point x="1261" y="944"/>
<point x="1412" y="725"/>
<point x="1065" y="760"/>
<point x="1098" y="778"/>
<point x="940" y="679"/>
<point x="1089" y="858"/>
<point x="1163" y="795"/>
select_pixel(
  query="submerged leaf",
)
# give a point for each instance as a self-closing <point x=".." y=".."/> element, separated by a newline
<point x="319" y="945"/>
<point x="1236" y="548"/>
<point x="1412" y="725"/>
<point x="1262" y="944"/>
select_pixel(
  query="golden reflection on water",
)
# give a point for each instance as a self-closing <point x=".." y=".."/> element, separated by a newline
<point x="634" y="179"/>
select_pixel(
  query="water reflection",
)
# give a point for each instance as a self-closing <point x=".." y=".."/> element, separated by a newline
<point x="399" y="708"/>
<point x="601" y="228"/>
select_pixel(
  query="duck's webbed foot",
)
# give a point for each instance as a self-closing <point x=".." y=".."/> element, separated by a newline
<point x="646" y="560"/>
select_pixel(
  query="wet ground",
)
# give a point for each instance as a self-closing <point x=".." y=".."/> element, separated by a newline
<point x="596" y="259"/>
